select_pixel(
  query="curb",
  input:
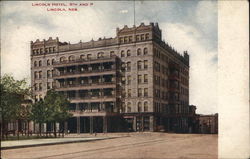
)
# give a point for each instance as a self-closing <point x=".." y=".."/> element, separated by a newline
<point x="53" y="143"/>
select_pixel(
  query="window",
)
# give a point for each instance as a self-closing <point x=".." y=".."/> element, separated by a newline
<point x="62" y="59"/>
<point x="130" y="38"/>
<point x="48" y="62"/>
<point x="53" y="84"/>
<point x="40" y="86"/>
<point x="147" y="36"/>
<point x="145" y="64"/>
<point x="40" y="74"/>
<point x="145" y="92"/>
<point x="122" y="53"/>
<point x="137" y="38"/>
<point x="139" y="79"/>
<point x="145" y="51"/>
<point x="123" y="66"/>
<point x="125" y="39"/>
<point x="139" y="107"/>
<point x="48" y="85"/>
<point x="100" y="55"/>
<point x="129" y="92"/>
<point x="35" y="64"/>
<point x="139" y="92"/>
<point x="128" y="53"/>
<point x="128" y="66"/>
<point x="49" y="74"/>
<point x="145" y="106"/>
<point x="72" y="58"/>
<point x="145" y="78"/>
<point x="138" y="52"/>
<point x="123" y="80"/>
<point x="89" y="56"/>
<point x="82" y="57"/>
<point x="142" y="37"/>
<point x="129" y="107"/>
<point x="40" y="63"/>
<point x="112" y="53"/>
<point x="36" y="74"/>
<point x="139" y="65"/>
<point x="41" y="51"/>
<point x="129" y="79"/>
<point x="36" y="86"/>
<point x="53" y="61"/>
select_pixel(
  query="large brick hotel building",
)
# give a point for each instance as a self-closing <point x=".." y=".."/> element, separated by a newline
<point x="134" y="81"/>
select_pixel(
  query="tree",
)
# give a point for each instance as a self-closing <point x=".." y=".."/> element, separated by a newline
<point x="12" y="95"/>
<point x="39" y="114"/>
<point x="57" y="106"/>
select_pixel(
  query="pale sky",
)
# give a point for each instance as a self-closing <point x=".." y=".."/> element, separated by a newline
<point x="186" y="25"/>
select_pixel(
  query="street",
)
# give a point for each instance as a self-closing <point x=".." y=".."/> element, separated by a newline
<point x="136" y="145"/>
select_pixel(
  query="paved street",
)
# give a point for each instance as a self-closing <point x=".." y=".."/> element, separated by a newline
<point x="136" y="145"/>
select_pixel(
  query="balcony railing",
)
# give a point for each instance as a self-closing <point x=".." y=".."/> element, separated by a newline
<point x="82" y="72"/>
<point x="85" y="60"/>
<point x="85" y="84"/>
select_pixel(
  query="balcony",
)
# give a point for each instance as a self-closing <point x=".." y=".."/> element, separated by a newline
<point x="89" y="98"/>
<point x="85" y="73"/>
<point x="84" y="61"/>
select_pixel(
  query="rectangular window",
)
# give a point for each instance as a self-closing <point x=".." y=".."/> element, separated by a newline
<point x="145" y="78"/>
<point x="142" y="37"/>
<point x="129" y="92"/>
<point x="40" y="86"/>
<point x="40" y="74"/>
<point x="129" y="79"/>
<point x="145" y="64"/>
<point x="130" y="38"/>
<point x="128" y="66"/>
<point x="48" y="85"/>
<point x="139" y="92"/>
<point x="139" y="79"/>
<point x="123" y="80"/>
<point x="137" y="38"/>
<point x="112" y="53"/>
<point x="89" y="56"/>
<point x="145" y="92"/>
<point x="36" y="86"/>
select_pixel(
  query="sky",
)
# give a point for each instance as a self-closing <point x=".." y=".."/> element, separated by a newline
<point x="186" y="25"/>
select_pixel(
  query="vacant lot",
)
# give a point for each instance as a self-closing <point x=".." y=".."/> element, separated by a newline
<point x="134" y="145"/>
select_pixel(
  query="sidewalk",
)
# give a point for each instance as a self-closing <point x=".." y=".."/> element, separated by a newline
<point x="52" y="141"/>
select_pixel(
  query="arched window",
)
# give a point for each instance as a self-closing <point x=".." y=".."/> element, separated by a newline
<point x="71" y="58"/>
<point x="82" y="57"/>
<point x="145" y="106"/>
<point x="35" y="64"/>
<point x="139" y="107"/>
<point x="100" y="55"/>
<point x="40" y="63"/>
<point x="122" y="53"/>
<point x="48" y="62"/>
<point x="62" y="59"/>
<point x="138" y="52"/>
<point x="128" y="53"/>
<point x="145" y="51"/>
<point x="129" y="107"/>
<point x="139" y="65"/>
